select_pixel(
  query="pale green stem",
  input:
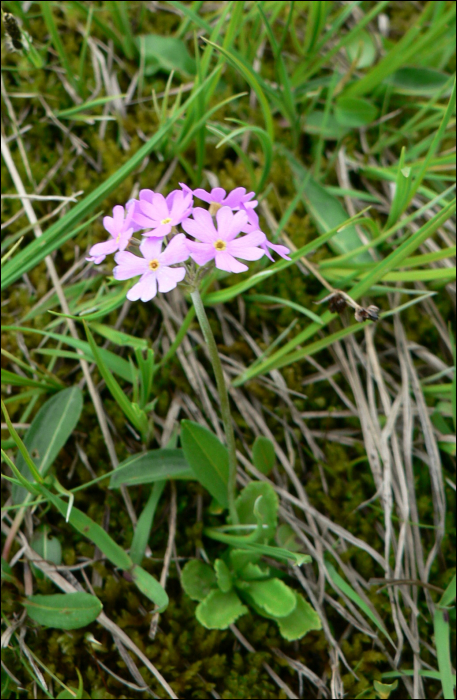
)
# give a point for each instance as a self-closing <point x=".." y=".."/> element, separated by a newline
<point x="223" y="398"/>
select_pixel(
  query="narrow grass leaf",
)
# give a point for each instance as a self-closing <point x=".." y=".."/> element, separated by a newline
<point x="352" y="595"/>
<point x="96" y="534"/>
<point x="144" y="524"/>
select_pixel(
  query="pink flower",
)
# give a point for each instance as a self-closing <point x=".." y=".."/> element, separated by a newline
<point x="220" y="244"/>
<point x="253" y="225"/>
<point x="120" y="229"/>
<point x="154" y="267"/>
<point x="235" y="199"/>
<point x="154" y="211"/>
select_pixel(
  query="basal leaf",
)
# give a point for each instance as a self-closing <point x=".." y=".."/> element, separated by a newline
<point x="263" y="454"/>
<point x="258" y="499"/>
<point x="270" y="595"/>
<point x="148" y="585"/>
<point x="303" y="619"/>
<point x="223" y="576"/>
<point x="198" y="579"/>
<point x="220" y="610"/>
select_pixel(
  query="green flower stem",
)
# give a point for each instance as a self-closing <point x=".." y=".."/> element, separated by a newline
<point x="223" y="397"/>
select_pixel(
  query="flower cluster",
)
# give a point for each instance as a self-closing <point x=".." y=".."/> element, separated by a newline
<point x="214" y="235"/>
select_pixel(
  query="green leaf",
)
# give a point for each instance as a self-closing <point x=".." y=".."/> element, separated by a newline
<point x="354" y="112"/>
<point x="240" y="559"/>
<point x="443" y="650"/>
<point x="258" y="502"/>
<point x="115" y="363"/>
<point x="49" y="548"/>
<point x="255" y="572"/>
<point x="329" y="128"/>
<point x="144" y="524"/>
<point x="118" y="337"/>
<point x="152" y="466"/>
<point x="263" y="454"/>
<point x="223" y="576"/>
<point x="198" y="579"/>
<point x="287" y="537"/>
<point x="301" y="621"/>
<point x="48" y="433"/>
<point x="131" y="410"/>
<point x="220" y="610"/>
<point x="96" y="534"/>
<point x="165" y="53"/>
<point x="384" y="689"/>
<point x="271" y="595"/>
<point x="418" y="81"/>
<point x="208" y="459"/>
<point x="65" y="611"/>
<point x="448" y="597"/>
<point x="352" y="595"/>
<point x="151" y="588"/>
<point x="361" y="50"/>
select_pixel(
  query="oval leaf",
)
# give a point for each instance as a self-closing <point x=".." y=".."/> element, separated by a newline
<point x="148" y="467"/>
<point x="355" y="112"/>
<point x="258" y="503"/>
<point x="48" y="433"/>
<point x="263" y="454"/>
<point x="208" y="459"/>
<point x="220" y="610"/>
<point x="165" y="53"/>
<point x="65" y="611"/>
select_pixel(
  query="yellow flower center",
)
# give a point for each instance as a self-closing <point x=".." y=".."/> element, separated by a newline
<point x="118" y="238"/>
<point x="154" y="265"/>
<point x="220" y="245"/>
<point x="165" y="221"/>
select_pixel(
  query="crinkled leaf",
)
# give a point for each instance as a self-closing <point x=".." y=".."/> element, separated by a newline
<point x="208" y="459"/>
<point x="220" y="610"/>
<point x="48" y="433"/>
<point x="254" y="572"/>
<point x="198" y="579"/>
<point x="272" y="596"/>
<point x="303" y="619"/>
<point x="240" y="558"/>
<point x="65" y="611"/>
<point x="263" y="454"/>
<point x="223" y="576"/>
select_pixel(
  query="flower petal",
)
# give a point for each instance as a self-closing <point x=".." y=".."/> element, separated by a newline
<point x="110" y="225"/>
<point x="145" y="289"/>
<point x="129" y="265"/>
<point x="160" y="207"/>
<point x="245" y="242"/>
<point x="105" y="248"/>
<point x="201" y="253"/>
<point x="229" y="224"/>
<point x="281" y="250"/>
<point x="201" y="226"/>
<point x="235" y="197"/>
<point x="147" y="195"/>
<point x="175" y="252"/>
<point x="168" y="277"/>
<point x="151" y="248"/>
<point x="225" y="261"/>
